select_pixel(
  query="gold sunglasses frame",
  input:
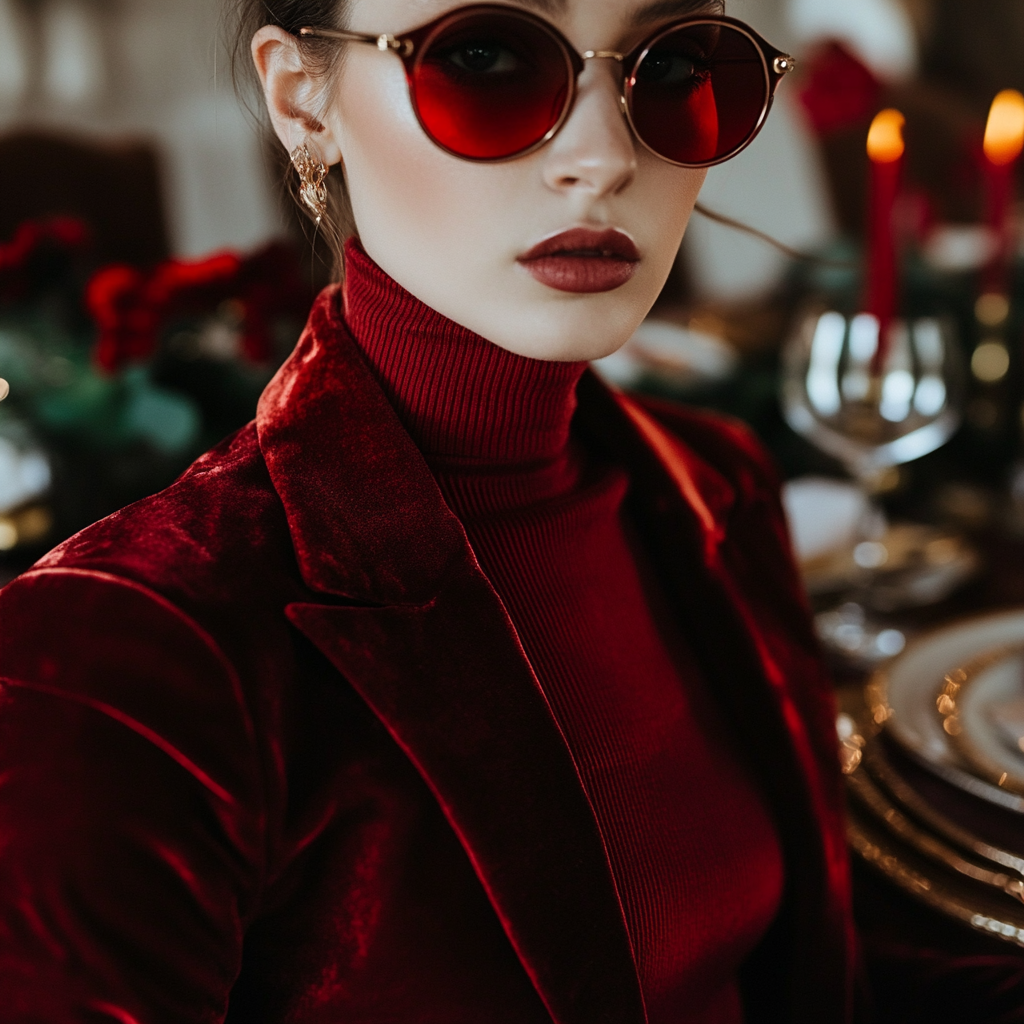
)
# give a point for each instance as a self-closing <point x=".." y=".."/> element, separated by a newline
<point x="410" y="46"/>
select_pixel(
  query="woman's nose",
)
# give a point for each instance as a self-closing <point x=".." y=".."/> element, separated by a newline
<point x="594" y="152"/>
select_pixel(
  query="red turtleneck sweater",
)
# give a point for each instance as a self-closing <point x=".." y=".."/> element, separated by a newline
<point x="692" y="849"/>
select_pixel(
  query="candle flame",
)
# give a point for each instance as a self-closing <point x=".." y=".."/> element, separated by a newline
<point x="1004" y="133"/>
<point x="885" y="137"/>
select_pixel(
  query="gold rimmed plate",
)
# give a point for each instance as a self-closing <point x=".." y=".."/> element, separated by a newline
<point x="981" y="706"/>
<point x="991" y="878"/>
<point x="980" y="907"/>
<point x="933" y="859"/>
<point x="902" y="698"/>
<point x="906" y="797"/>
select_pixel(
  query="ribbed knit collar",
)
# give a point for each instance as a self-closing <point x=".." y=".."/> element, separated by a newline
<point x="468" y="404"/>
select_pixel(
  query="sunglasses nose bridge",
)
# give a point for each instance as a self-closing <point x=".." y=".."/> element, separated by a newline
<point x="619" y="58"/>
<point x="603" y="54"/>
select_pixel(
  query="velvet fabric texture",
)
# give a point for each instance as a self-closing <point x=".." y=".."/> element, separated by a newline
<point x="549" y="521"/>
<point x="271" y="749"/>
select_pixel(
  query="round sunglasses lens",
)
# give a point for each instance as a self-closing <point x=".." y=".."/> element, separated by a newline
<point x="697" y="95"/>
<point x="488" y="86"/>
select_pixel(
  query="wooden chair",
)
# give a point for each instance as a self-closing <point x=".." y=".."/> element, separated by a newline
<point x="115" y="187"/>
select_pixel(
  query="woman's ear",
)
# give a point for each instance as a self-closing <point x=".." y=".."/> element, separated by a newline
<point x="291" y="93"/>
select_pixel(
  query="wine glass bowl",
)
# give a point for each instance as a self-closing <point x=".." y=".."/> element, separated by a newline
<point x="872" y="406"/>
<point x="874" y="403"/>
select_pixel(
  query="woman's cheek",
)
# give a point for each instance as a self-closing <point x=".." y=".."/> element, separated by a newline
<point x="672" y="191"/>
<point x="401" y="185"/>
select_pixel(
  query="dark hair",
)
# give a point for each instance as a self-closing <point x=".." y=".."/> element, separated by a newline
<point x="323" y="60"/>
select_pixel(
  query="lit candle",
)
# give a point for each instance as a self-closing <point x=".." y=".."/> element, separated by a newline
<point x="1004" y="140"/>
<point x="885" y="151"/>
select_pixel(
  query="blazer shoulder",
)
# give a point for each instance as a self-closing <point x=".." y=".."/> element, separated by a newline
<point x="125" y="652"/>
<point x="132" y="790"/>
<point x="723" y="442"/>
<point x="217" y="536"/>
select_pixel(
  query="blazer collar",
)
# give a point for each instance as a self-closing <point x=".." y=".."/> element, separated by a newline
<point x="366" y="517"/>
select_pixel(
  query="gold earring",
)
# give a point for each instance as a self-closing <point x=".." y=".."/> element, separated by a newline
<point x="312" y="173"/>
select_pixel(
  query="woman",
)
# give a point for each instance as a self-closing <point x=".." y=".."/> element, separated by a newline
<point x="455" y="688"/>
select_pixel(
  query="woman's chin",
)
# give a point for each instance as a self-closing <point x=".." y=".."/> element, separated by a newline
<point x="524" y="316"/>
<point x="591" y="328"/>
<point x="563" y="347"/>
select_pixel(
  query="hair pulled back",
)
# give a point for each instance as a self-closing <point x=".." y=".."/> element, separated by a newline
<point x="322" y="60"/>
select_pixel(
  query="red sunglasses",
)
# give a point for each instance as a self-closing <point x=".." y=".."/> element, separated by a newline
<point x="491" y="82"/>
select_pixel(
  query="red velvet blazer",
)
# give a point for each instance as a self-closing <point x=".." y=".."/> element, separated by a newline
<point x="270" y="748"/>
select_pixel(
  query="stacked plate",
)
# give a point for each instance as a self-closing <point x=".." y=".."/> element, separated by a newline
<point x="935" y="772"/>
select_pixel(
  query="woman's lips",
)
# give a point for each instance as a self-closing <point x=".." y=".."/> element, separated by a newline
<point x="583" y="260"/>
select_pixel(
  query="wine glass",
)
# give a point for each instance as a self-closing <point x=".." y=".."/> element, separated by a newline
<point x="872" y="406"/>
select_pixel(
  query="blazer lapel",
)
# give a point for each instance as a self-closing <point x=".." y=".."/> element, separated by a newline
<point x="750" y="631"/>
<point x="411" y="622"/>
<point x="451" y="683"/>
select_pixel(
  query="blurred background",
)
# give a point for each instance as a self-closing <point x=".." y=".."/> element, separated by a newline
<point x="152" y="276"/>
<point x="147" y="74"/>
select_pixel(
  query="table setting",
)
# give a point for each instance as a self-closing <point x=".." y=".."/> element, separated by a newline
<point x="932" y="749"/>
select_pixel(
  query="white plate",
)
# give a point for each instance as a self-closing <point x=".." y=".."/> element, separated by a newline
<point x="991" y="714"/>
<point x="912" y="683"/>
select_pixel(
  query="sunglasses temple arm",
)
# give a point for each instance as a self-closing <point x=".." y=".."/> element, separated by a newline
<point x="382" y="42"/>
<point x="795" y="254"/>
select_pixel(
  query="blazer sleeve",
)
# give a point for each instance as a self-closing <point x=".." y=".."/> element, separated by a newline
<point x="130" y="823"/>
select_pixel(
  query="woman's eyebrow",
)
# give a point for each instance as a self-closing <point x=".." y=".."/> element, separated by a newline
<point x="659" y="10"/>
<point x="549" y="7"/>
<point x="656" y="10"/>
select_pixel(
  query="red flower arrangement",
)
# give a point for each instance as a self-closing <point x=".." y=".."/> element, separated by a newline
<point x="131" y="307"/>
<point x="22" y="258"/>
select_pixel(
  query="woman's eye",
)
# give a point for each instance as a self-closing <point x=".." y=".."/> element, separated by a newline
<point x="483" y="58"/>
<point x="668" y="69"/>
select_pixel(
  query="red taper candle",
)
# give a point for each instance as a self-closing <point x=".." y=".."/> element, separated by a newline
<point x="1004" y="141"/>
<point x="885" y="152"/>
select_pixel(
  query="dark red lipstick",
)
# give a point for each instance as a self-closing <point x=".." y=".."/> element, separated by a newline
<point x="583" y="260"/>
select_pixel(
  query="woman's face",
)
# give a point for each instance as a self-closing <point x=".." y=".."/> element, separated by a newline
<point x="453" y="232"/>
